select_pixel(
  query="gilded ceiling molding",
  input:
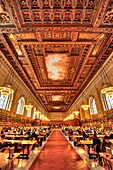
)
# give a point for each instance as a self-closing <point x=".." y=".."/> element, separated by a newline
<point x="56" y="45"/>
<point x="108" y="18"/>
<point x="108" y="62"/>
<point x="100" y="13"/>
<point x="13" y="13"/>
<point x="4" y="15"/>
<point x="90" y="48"/>
<point x="4" y="62"/>
<point x="75" y="29"/>
<point x="55" y="28"/>
<point x="26" y="59"/>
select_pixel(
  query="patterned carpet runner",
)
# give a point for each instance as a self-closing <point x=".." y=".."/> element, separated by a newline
<point x="58" y="154"/>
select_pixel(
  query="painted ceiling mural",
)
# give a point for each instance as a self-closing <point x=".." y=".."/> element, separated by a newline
<point x="56" y="46"/>
<point x="56" y="97"/>
<point x="57" y="65"/>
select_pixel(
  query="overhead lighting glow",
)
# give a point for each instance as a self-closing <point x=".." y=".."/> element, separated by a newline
<point x="56" y="97"/>
<point x="56" y="107"/>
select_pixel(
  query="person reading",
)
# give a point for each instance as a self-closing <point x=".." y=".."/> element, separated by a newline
<point x="106" y="143"/>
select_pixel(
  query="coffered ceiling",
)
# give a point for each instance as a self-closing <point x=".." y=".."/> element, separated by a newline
<point x="56" y="46"/>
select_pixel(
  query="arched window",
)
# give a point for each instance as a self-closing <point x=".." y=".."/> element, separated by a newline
<point x="28" y="113"/>
<point x="6" y="101"/>
<point x="20" y="108"/>
<point x="34" y="115"/>
<point x="93" y="108"/>
<point x="107" y="101"/>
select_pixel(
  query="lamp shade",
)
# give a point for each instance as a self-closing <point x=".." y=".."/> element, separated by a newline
<point x="38" y="113"/>
<point x="6" y="90"/>
<point x="107" y="89"/>
<point x="29" y="106"/>
<point x="85" y="106"/>
<point x="76" y="112"/>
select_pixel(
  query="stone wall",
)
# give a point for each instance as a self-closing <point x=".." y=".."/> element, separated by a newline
<point x="19" y="87"/>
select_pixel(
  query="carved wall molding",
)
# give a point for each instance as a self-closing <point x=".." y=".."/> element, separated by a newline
<point x="4" y="15"/>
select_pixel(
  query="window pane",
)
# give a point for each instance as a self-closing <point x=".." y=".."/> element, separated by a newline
<point x="93" y="108"/>
<point x="28" y="113"/>
<point x="107" y="101"/>
<point x="34" y="116"/>
<point x="6" y="101"/>
<point x="20" y="107"/>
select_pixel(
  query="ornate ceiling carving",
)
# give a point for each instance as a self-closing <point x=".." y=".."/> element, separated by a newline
<point x="56" y="46"/>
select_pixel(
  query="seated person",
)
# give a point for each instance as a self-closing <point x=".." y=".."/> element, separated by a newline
<point x="111" y="136"/>
<point x="106" y="143"/>
<point x="84" y="135"/>
<point x="96" y="143"/>
<point x="29" y="134"/>
<point x="34" y="135"/>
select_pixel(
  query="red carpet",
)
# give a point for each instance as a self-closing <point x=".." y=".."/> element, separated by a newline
<point x="58" y="154"/>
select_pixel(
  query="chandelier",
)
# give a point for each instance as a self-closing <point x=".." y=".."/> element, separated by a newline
<point x="76" y="112"/>
<point x="6" y="88"/>
<point x="85" y="106"/>
<point x="38" y="114"/>
<point x="28" y="106"/>
<point x="107" y="88"/>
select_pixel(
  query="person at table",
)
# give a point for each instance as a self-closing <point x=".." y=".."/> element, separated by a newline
<point x="2" y="134"/>
<point x="84" y="134"/>
<point x="21" y="132"/>
<point x="111" y="136"/>
<point x="96" y="143"/>
<point x="95" y="133"/>
<point x="70" y="134"/>
<point x="34" y="135"/>
<point x="29" y="134"/>
<point x="106" y="143"/>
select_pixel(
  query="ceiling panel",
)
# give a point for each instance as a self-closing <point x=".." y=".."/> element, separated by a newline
<point x="56" y="47"/>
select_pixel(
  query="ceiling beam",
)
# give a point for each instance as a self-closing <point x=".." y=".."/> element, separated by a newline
<point x="68" y="28"/>
<point x="52" y="89"/>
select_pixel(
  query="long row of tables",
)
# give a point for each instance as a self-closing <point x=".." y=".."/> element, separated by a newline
<point x="88" y="143"/>
<point x="4" y="161"/>
<point x="13" y="139"/>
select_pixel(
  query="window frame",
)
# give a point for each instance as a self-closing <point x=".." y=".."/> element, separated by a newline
<point x="107" y="101"/>
<point x="93" y="107"/>
<point x="21" y="110"/>
<point x="34" y="115"/>
<point x="6" y="102"/>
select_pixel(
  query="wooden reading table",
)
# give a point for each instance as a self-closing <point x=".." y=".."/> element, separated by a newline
<point x="87" y="143"/>
<point x="111" y="140"/>
<point x="4" y="161"/>
<point x="77" y="136"/>
<point x="16" y="136"/>
<point x="25" y="144"/>
<point x="107" y="158"/>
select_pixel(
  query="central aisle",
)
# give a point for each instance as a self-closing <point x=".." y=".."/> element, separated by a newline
<point x="58" y="154"/>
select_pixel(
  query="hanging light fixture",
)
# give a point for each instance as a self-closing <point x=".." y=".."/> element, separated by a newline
<point x="85" y="106"/>
<point x="76" y="112"/>
<point x="107" y="87"/>
<point x="38" y="114"/>
<point x="28" y="106"/>
<point x="6" y="88"/>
